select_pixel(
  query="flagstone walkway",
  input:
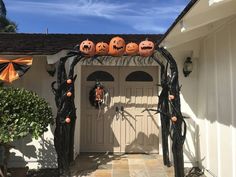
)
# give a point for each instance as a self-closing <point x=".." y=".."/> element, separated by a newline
<point x="126" y="165"/>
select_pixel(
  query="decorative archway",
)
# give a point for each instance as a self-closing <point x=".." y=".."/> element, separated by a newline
<point x="168" y="107"/>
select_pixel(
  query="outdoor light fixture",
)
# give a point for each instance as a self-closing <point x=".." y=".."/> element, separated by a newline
<point x="212" y="2"/>
<point x="188" y="66"/>
<point x="51" y="69"/>
<point x="182" y="26"/>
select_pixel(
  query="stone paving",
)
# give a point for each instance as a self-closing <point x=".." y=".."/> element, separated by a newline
<point x="126" y="165"/>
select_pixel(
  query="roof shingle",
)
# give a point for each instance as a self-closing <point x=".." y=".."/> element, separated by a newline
<point x="47" y="44"/>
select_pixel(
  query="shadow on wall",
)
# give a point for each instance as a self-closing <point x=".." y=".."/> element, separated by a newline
<point x="191" y="148"/>
<point x="36" y="153"/>
<point x="138" y="143"/>
<point x="28" y="152"/>
<point x="47" y="157"/>
<point x="22" y="150"/>
<point x="100" y="123"/>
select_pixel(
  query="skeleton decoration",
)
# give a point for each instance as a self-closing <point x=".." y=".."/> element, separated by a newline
<point x="98" y="96"/>
<point x="173" y="124"/>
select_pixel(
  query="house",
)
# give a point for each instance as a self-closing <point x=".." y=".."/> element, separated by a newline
<point x="204" y="31"/>
<point x="103" y="133"/>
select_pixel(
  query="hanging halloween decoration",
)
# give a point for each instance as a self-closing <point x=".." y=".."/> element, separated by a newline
<point x="102" y="48"/>
<point x="146" y="48"/>
<point x="117" y="46"/>
<point x="131" y="49"/>
<point x="11" y="70"/>
<point x="51" y="69"/>
<point x="163" y="109"/>
<point x="87" y="47"/>
<point x="168" y="106"/>
<point x="66" y="110"/>
<point x="98" y="95"/>
<point x="179" y="127"/>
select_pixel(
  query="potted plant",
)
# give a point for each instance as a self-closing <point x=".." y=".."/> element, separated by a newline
<point x="22" y="113"/>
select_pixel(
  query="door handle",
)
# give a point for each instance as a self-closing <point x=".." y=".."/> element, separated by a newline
<point x="117" y="109"/>
<point x="122" y="112"/>
<point x="117" y="112"/>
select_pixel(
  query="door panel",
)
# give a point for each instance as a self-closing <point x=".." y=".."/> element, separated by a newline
<point x="130" y="130"/>
<point x="141" y="128"/>
<point x="100" y="130"/>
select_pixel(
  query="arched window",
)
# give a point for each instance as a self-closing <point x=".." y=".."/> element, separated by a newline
<point x="100" y="76"/>
<point x="139" y="76"/>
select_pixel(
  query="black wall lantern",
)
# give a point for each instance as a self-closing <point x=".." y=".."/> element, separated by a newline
<point x="51" y="69"/>
<point x="188" y="66"/>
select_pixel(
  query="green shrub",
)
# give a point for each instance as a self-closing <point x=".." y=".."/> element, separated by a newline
<point x="21" y="113"/>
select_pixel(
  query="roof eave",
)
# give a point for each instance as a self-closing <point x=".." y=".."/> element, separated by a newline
<point x="178" y="19"/>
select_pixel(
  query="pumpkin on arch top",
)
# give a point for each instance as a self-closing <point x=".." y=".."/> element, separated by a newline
<point x="146" y="48"/>
<point x="102" y="48"/>
<point x="87" y="47"/>
<point x="131" y="49"/>
<point x="117" y="46"/>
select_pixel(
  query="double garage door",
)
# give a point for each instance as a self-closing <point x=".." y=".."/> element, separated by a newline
<point x="122" y="125"/>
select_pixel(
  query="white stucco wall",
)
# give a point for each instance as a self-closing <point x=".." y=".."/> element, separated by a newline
<point x="216" y="101"/>
<point x="208" y="96"/>
<point x="36" y="153"/>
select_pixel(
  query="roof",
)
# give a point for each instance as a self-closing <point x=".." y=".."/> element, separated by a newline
<point x="47" y="44"/>
<point x="177" y="20"/>
<point x="199" y="19"/>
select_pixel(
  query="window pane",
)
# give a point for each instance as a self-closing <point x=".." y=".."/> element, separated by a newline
<point x="100" y="76"/>
<point x="139" y="76"/>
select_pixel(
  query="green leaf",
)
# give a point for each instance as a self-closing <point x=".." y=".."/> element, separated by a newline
<point x="21" y="113"/>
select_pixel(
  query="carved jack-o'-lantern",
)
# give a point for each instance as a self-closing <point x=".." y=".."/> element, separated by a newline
<point x="102" y="48"/>
<point x="117" y="46"/>
<point x="87" y="47"/>
<point x="146" y="48"/>
<point x="131" y="48"/>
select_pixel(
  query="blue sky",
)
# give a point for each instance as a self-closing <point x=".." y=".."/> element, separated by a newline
<point x="94" y="16"/>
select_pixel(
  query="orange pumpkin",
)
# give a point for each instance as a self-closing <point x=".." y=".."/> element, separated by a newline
<point x="174" y="119"/>
<point x="146" y="48"/>
<point x="69" y="81"/>
<point x="117" y="46"/>
<point x="87" y="47"/>
<point x="102" y="48"/>
<point x="131" y="48"/>
<point x="68" y="94"/>
<point x="67" y="120"/>
<point x="171" y="97"/>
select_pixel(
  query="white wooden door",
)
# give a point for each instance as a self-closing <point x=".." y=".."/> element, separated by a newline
<point x="100" y="130"/>
<point x="121" y="126"/>
<point x="140" y="128"/>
